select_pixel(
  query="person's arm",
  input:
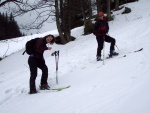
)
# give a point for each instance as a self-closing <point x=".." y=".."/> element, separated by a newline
<point x="40" y="47"/>
<point x="107" y="27"/>
<point x="49" y="48"/>
<point x="95" y="28"/>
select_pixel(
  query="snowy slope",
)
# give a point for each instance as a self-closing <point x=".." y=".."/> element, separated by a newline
<point x="120" y="86"/>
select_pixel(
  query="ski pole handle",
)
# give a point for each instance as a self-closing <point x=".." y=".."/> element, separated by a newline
<point x="56" y="53"/>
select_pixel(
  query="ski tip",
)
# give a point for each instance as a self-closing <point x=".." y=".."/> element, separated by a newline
<point x="68" y="86"/>
<point x="60" y="89"/>
<point x="124" y="55"/>
<point x="139" y="50"/>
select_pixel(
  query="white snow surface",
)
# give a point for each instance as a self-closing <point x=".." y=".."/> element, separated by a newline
<point x="121" y="85"/>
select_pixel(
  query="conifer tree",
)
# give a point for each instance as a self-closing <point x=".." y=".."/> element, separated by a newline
<point x="8" y="27"/>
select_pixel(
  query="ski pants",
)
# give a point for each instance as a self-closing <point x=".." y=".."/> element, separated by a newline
<point x="34" y="64"/>
<point x="100" y="41"/>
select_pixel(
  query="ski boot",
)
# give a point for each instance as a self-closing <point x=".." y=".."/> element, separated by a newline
<point x="113" y="53"/>
<point x="44" y="87"/>
<point x="33" y="91"/>
<point x="98" y="58"/>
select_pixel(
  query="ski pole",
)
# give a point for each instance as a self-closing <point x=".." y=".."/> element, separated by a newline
<point x="56" y="67"/>
<point x="103" y="50"/>
<point x="117" y="47"/>
<point x="56" y="53"/>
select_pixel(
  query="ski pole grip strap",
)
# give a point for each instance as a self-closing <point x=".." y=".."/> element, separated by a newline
<point x="54" y="53"/>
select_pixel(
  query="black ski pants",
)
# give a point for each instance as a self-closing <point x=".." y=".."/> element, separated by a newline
<point x="34" y="64"/>
<point x="100" y="41"/>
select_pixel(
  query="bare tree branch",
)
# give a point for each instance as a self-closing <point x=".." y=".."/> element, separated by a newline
<point x="43" y="11"/>
<point x="9" y="1"/>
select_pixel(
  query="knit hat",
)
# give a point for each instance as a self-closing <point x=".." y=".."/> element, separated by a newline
<point x="101" y="13"/>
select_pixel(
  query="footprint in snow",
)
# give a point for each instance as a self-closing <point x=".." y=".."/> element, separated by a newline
<point x="8" y="90"/>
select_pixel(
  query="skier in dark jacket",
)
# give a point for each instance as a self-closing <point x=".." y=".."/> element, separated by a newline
<point x="101" y="29"/>
<point x="36" y="60"/>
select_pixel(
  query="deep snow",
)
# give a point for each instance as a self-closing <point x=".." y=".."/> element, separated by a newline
<point x="120" y="86"/>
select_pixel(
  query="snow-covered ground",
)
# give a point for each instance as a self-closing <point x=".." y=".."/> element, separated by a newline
<point x="122" y="85"/>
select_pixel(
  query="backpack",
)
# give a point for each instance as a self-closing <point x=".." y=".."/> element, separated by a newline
<point x="102" y="28"/>
<point x="29" y="47"/>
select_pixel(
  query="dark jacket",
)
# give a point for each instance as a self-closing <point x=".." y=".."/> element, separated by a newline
<point x="101" y="27"/>
<point x="39" y="48"/>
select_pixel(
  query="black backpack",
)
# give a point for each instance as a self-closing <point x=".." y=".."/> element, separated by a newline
<point x="29" y="47"/>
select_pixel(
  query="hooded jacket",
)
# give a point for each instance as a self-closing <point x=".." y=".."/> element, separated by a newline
<point x="40" y="47"/>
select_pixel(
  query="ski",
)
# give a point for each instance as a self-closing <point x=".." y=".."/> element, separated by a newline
<point x="61" y="88"/>
<point x="125" y="54"/>
<point x="52" y="89"/>
<point x="139" y="50"/>
<point x="133" y="52"/>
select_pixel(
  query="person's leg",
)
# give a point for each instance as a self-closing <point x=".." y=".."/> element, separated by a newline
<point x="33" y="74"/>
<point x="44" y="77"/>
<point x="112" y="46"/>
<point x="100" y="43"/>
<point x="112" y="41"/>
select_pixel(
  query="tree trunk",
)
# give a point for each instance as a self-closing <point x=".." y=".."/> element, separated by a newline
<point x="108" y="10"/>
<point x="116" y="5"/>
<point x="90" y="8"/>
<point x="99" y="7"/>
<point x="67" y="21"/>
<point x="63" y="41"/>
<point x="83" y="11"/>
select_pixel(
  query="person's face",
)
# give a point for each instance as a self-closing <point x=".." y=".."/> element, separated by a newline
<point x="49" y="39"/>
<point x="101" y="17"/>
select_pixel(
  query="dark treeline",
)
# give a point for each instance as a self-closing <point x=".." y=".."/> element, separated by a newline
<point x="8" y="27"/>
<point x="68" y="14"/>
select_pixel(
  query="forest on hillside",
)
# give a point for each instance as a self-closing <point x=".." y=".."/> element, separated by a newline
<point x="67" y="14"/>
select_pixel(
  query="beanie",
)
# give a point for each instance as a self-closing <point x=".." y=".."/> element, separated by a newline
<point x="101" y="13"/>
